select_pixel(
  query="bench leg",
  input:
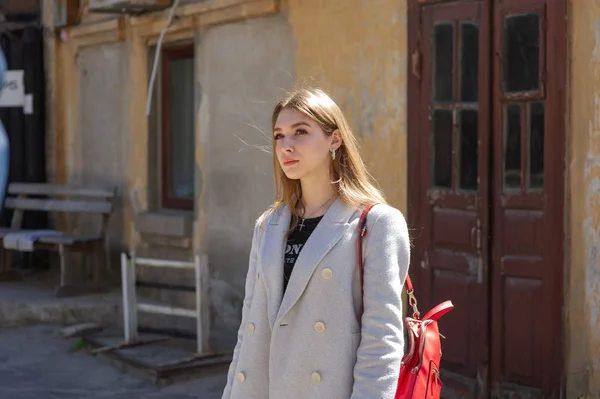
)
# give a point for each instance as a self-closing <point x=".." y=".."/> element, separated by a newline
<point x="66" y="272"/>
<point x="68" y="287"/>
<point x="66" y="275"/>
<point x="6" y="271"/>
<point x="98" y="263"/>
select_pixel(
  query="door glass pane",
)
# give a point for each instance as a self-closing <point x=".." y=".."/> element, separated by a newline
<point x="521" y="53"/>
<point x="443" y="48"/>
<point x="442" y="148"/>
<point x="181" y="120"/>
<point x="512" y="146"/>
<point x="536" y="145"/>
<point x="469" y="57"/>
<point x="468" y="149"/>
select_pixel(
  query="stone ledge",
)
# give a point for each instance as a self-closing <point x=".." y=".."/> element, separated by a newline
<point x="23" y="314"/>
<point x="24" y="303"/>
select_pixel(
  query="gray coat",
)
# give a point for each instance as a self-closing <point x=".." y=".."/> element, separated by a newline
<point x="311" y="342"/>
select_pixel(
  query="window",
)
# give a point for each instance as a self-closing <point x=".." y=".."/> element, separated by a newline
<point x="176" y="127"/>
<point x="524" y="109"/>
<point x="454" y="106"/>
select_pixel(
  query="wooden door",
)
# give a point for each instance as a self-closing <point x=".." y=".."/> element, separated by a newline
<point x="454" y="154"/>
<point x="486" y="171"/>
<point x="527" y="198"/>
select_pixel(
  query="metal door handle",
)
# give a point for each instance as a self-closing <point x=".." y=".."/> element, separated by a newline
<point x="475" y="230"/>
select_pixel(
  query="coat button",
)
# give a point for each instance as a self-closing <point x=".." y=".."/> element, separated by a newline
<point x="319" y="327"/>
<point x="327" y="274"/>
<point x="316" y="377"/>
<point x="250" y="328"/>
<point x="241" y="377"/>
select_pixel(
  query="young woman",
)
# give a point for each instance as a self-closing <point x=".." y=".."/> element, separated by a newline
<point x="302" y="335"/>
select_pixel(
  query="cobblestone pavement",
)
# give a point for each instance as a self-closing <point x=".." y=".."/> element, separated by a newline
<point x="36" y="363"/>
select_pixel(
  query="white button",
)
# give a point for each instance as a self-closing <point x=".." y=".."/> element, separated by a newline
<point x="319" y="327"/>
<point x="241" y="377"/>
<point x="250" y="328"/>
<point x="316" y="377"/>
<point x="327" y="274"/>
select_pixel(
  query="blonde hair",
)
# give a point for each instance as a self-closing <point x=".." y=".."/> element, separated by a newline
<point x="350" y="176"/>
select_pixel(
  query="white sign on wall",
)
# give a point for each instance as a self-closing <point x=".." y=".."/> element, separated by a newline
<point x="12" y="93"/>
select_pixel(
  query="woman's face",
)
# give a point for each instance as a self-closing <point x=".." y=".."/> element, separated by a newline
<point x="302" y="148"/>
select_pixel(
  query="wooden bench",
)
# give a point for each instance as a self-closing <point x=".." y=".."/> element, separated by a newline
<point x="63" y="200"/>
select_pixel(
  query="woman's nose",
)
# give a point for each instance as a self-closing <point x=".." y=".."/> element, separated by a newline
<point x="286" y="145"/>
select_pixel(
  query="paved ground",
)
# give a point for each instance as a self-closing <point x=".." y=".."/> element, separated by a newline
<point x="35" y="363"/>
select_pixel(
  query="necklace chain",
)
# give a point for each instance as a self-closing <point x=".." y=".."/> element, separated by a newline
<point x="303" y="218"/>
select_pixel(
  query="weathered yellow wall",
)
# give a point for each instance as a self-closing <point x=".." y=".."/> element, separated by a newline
<point x="583" y="290"/>
<point x="356" y="51"/>
<point x="137" y="33"/>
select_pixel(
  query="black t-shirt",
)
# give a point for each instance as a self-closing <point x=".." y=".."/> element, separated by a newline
<point x="294" y="245"/>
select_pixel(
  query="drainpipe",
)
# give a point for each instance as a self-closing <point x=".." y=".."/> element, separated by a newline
<point x="157" y="54"/>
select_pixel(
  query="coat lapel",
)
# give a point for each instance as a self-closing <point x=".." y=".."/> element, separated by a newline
<point x="272" y="259"/>
<point x="327" y="233"/>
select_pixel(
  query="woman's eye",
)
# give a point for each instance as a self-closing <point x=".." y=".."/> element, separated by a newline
<point x="301" y="131"/>
<point x="278" y="136"/>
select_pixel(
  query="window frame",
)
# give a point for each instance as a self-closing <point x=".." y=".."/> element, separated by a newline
<point x="169" y="54"/>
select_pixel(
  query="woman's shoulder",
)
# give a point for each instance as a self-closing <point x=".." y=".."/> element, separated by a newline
<point x="386" y="214"/>
<point x="384" y="221"/>
<point x="387" y="224"/>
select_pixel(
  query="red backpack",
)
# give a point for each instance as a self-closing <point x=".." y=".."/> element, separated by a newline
<point x="420" y="368"/>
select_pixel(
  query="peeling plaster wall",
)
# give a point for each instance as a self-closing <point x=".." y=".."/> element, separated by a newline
<point x="245" y="67"/>
<point x="103" y="138"/>
<point x="357" y="51"/>
<point x="583" y="300"/>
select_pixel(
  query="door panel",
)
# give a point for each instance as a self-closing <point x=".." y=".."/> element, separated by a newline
<point x="455" y="132"/>
<point x="526" y="239"/>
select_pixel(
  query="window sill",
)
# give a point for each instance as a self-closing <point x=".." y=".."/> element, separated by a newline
<point x="169" y="223"/>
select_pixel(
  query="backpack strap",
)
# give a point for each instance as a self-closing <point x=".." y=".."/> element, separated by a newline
<point x="362" y="225"/>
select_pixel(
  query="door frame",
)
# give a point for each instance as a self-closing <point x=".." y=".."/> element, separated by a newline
<point x="556" y="12"/>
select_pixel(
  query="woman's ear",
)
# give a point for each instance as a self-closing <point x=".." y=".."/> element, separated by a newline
<point x="336" y="139"/>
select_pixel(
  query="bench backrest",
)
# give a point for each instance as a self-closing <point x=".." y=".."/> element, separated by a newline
<point x="62" y="199"/>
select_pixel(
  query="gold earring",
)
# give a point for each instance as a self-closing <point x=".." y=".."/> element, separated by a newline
<point x="333" y="154"/>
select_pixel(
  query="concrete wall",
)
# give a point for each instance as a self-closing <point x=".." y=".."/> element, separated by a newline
<point x="103" y="136"/>
<point x="583" y="290"/>
<point x="235" y="132"/>
<point x="234" y="164"/>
